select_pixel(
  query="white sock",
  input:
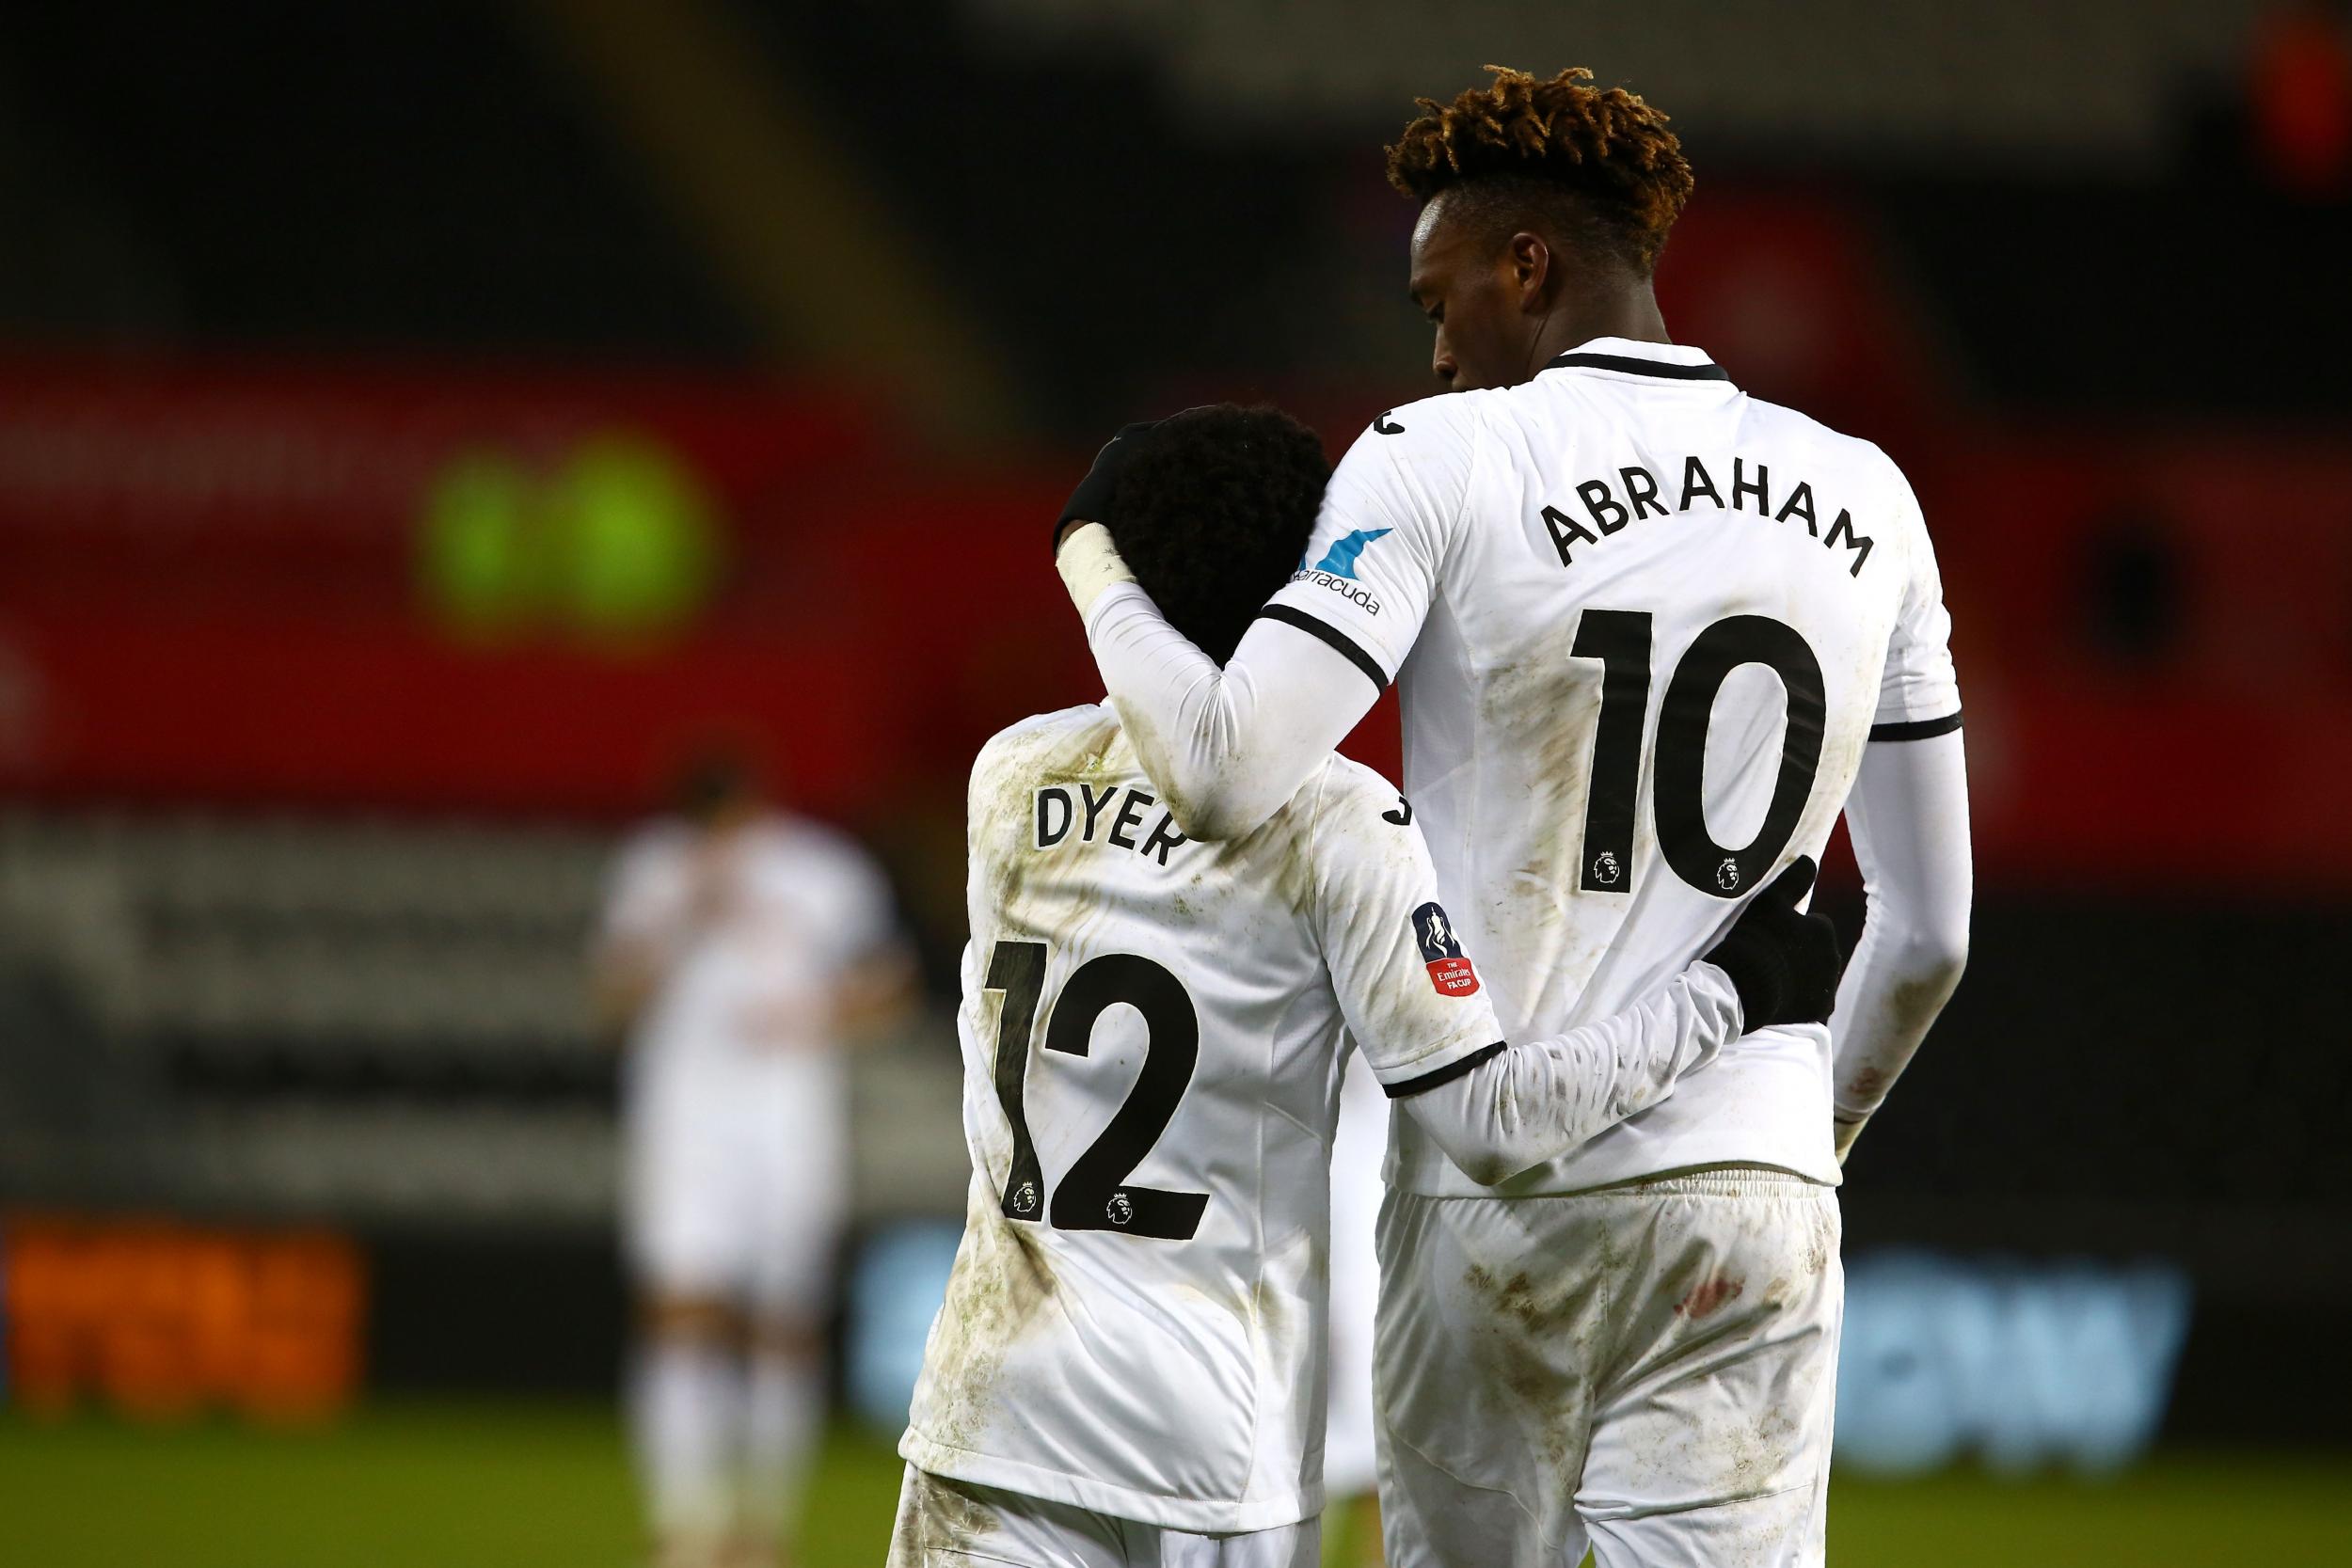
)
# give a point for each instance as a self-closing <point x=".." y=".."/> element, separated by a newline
<point x="782" y="1420"/>
<point x="686" y="1415"/>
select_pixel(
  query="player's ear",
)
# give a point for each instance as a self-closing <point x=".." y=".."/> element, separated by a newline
<point x="1531" y="268"/>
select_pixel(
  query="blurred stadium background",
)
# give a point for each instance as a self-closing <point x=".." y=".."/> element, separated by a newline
<point x="422" y="422"/>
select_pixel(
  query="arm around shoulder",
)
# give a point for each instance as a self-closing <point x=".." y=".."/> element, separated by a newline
<point x="1524" y="1104"/>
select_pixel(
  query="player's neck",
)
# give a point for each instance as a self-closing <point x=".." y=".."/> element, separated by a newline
<point x="1629" y="313"/>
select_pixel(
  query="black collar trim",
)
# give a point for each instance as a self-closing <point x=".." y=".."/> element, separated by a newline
<point x="1631" y="366"/>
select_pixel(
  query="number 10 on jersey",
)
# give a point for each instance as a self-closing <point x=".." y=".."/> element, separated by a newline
<point x="1620" y="639"/>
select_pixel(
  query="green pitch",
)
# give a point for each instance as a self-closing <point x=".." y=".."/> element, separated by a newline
<point x="491" y="1486"/>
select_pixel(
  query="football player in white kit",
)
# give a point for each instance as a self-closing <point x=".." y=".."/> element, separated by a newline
<point x="1651" y="635"/>
<point x="740" y="947"/>
<point x="1128" y="1368"/>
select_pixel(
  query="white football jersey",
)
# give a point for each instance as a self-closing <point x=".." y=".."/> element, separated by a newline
<point x="1642" y="626"/>
<point x="758" y="928"/>
<point x="1153" y="1034"/>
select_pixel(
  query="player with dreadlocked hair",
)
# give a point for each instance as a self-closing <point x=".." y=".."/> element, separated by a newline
<point x="1652" y="634"/>
<point x="1544" y="206"/>
<point x="1605" y="144"/>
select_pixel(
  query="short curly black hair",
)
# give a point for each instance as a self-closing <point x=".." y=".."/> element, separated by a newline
<point x="1602" y="163"/>
<point x="1212" y="516"/>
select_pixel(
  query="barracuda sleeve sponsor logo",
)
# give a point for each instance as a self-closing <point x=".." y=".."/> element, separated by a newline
<point x="1336" y="571"/>
<point x="1340" y="559"/>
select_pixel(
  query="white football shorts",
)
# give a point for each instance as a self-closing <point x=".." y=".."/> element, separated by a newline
<point x="1647" y="1369"/>
<point x="736" y="1180"/>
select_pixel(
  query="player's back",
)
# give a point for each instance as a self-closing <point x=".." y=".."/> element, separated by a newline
<point x="1659" y="641"/>
<point x="1151" y="1044"/>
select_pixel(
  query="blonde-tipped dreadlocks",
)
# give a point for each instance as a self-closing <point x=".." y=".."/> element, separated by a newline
<point x="1609" y="151"/>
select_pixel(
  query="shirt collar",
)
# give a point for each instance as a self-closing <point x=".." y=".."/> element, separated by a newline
<point x="1669" y="361"/>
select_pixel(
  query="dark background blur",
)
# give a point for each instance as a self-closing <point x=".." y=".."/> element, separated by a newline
<point x="422" y="422"/>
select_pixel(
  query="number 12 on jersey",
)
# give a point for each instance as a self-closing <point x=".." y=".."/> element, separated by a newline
<point x="1095" y="1194"/>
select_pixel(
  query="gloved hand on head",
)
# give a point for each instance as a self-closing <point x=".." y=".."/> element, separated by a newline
<point x="1090" y="503"/>
<point x="1083" y="552"/>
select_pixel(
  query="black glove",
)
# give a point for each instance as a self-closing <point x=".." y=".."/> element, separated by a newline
<point x="1090" y="503"/>
<point x="1782" y="964"/>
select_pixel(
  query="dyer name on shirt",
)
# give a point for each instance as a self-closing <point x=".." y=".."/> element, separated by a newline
<point x="1062" y="807"/>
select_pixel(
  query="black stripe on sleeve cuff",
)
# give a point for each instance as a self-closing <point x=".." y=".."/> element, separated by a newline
<point x="1447" y="1074"/>
<point x="1919" y="730"/>
<point x="1333" y="634"/>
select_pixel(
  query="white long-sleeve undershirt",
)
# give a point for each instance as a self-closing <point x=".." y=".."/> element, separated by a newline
<point x="1908" y="815"/>
<point x="1536" y="1099"/>
<point x="1226" y="748"/>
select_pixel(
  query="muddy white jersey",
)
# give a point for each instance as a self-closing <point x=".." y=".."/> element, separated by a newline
<point x="1641" y="624"/>
<point x="1152" y="1032"/>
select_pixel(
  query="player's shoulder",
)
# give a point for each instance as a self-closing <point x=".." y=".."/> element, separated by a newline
<point x="1851" y="457"/>
<point x="1350" y="787"/>
<point x="1349" y="823"/>
<point x="1438" y="411"/>
<point x="1447" y="420"/>
<point x="1418" y="458"/>
<point x="1340" y="802"/>
<point x="1070" y="743"/>
<point x="1044" y="739"/>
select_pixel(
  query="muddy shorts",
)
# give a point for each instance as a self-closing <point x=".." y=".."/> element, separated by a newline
<point x="1649" y="1369"/>
<point x="952" y="1524"/>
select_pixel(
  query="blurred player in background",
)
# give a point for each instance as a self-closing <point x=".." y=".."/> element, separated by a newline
<point x="1651" y="635"/>
<point x="1128" y="1368"/>
<point x="741" y="948"/>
